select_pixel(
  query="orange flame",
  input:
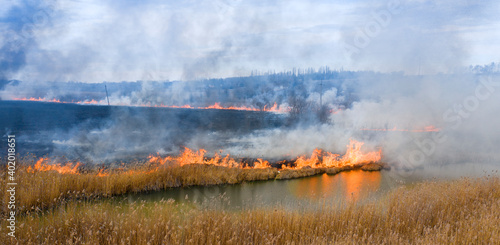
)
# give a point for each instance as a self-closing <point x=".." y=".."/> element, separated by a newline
<point x="261" y="164"/>
<point x="39" y="99"/>
<point x="275" y="108"/>
<point x="42" y="165"/>
<point x="102" y="173"/>
<point x="189" y="156"/>
<point x="353" y="156"/>
<point x="319" y="158"/>
<point x="335" y="111"/>
<point x="91" y="102"/>
<point x="313" y="161"/>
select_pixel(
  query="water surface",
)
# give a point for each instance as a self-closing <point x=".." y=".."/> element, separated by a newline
<point x="316" y="190"/>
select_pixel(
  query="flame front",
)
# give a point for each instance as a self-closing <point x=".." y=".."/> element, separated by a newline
<point x="318" y="159"/>
<point x="275" y="108"/>
<point x="102" y="173"/>
<point x="43" y="165"/>
<point x="189" y="156"/>
<point x="353" y="156"/>
<point x="261" y="164"/>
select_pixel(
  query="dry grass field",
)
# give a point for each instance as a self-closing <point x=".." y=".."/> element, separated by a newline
<point x="49" y="188"/>
<point x="465" y="211"/>
<point x="42" y="190"/>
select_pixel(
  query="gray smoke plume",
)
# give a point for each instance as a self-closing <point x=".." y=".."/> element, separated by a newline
<point x="19" y="26"/>
<point x="399" y="69"/>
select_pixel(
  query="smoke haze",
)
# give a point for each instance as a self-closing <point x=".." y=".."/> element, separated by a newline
<point x="95" y="41"/>
<point x="404" y="76"/>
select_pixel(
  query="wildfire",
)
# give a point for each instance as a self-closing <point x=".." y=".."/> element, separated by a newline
<point x="261" y="164"/>
<point x="353" y="156"/>
<point x="318" y="159"/>
<point x="102" y="173"/>
<point x="313" y="161"/>
<point x="91" y="102"/>
<point x="189" y="156"/>
<point x="39" y="99"/>
<point x="335" y="111"/>
<point x="275" y="108"/>
<point x="43" y="165"/>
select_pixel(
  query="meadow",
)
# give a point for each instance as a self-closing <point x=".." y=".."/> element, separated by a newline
<point x="56" y="185"/>
<point x="464" y="211"/>
<point x="74" y="204"/>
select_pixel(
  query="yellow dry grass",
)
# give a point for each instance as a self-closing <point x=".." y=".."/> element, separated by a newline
<point x="40" y="190"/>
<point x="465" y="211"/>
<point x="47" y="189"/>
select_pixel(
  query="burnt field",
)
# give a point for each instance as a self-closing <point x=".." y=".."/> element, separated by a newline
<point x="65" y="128"/>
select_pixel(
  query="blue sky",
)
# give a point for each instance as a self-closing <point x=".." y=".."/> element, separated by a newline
<point x="95" y="41"/>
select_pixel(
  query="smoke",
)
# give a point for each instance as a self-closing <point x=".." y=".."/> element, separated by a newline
<point x="417" y="37"/>
<point x="127" y="133"/>
<point x="414" y="55"/>
<point x="393" y="113"/>
<point x="97" y="41"/>
<point x="431" y="100"/>
<point x="415" y="120"/>
<point x="20" y="23"/>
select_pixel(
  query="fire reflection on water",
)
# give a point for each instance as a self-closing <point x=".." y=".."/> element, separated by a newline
<point x="359" y="183"/>
<point x="351" y="185"/>
<point x="314" y="190"/>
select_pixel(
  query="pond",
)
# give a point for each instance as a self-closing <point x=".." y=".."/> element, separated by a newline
<point x="314" y="191"/>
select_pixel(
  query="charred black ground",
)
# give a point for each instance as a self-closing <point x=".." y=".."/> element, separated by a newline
<point x="37" y="124"/>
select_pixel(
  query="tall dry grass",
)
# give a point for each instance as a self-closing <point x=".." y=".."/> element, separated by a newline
<point x="40" y="190"/>
<point x="465" y="211"/>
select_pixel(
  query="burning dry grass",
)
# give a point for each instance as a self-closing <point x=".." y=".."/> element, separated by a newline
<point x="44" y="184"/>
<point x="47" y="189"/>
<point x="465" y="211"/>
<point x="39" y="190"/>
<point x="217" y="106"/>
<point x="318" y="159"/>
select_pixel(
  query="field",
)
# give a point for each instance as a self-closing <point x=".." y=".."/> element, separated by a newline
<point x="249" y="122"/>
<point x="48" y="189"/>
<point x="465" y="211"/>
<point x="85" y="203"/>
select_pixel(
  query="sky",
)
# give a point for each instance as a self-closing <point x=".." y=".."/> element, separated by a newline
<point x="96" y="41"/>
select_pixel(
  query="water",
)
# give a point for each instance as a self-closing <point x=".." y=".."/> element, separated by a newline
<point x="287" y="193"/>
<point x="314" y="191"/>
